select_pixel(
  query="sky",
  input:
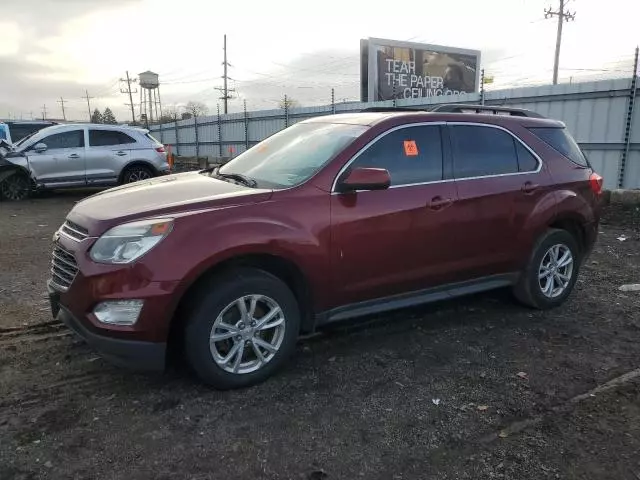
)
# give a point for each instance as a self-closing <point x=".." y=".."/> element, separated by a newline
<point x="60" y="49"/>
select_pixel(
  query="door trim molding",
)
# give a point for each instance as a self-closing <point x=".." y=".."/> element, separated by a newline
<point x="419" y="297"/>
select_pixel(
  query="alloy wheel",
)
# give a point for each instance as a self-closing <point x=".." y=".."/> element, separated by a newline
<point x="15" y="187"/>
<point x="137" y="175"/>
<point x="247" y="334"/>
<point x="555" y="271"/>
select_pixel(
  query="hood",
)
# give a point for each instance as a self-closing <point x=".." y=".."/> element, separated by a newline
<point x="161" y="195"/>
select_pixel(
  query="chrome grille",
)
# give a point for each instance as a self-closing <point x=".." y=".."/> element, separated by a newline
<point x="64" y="267"/>
<point x="74" y="231"/>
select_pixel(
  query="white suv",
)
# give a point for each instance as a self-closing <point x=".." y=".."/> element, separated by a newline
<point x="80" y="155"/>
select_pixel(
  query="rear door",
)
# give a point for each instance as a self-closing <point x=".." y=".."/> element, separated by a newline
<point x="62" y="163"/>
<point x="390" y="241"/>
<point x="499" y="182"/>
<point x="107" y="153"/>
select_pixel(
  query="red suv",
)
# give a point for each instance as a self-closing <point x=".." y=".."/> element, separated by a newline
<point x="332" y="218"/>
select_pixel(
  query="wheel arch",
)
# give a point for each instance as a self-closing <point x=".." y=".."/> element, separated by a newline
<point x="574" y="225"/>
<point x="137" y="163"/>
<point x="279" y="266"/>
<point x="10" y="168"/>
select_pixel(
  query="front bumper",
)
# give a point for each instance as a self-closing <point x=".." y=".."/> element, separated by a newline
<point x="133" y="354"/>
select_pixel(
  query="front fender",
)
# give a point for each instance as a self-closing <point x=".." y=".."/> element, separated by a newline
<point x="8" y="168"/>
<point x="224" y="237"/>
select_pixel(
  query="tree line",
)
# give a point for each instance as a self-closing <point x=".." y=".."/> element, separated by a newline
<point x="107" y="117"/>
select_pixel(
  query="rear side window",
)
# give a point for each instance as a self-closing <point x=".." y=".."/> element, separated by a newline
<point x="481" y="151"/>
<point x="561" y="141"/>
<point x="411" y="155"/>
<point x="72" y="139"/>
<point x="526" y="161"/>
<point x="102" y="138"/>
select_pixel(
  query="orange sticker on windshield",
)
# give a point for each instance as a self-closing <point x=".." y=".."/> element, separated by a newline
<point x="410" y="148"/>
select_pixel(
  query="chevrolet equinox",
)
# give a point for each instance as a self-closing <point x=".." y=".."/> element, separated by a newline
<point x="332" y="218"/>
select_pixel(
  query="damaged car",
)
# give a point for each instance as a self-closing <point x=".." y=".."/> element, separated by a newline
<point x="79" y="155"/>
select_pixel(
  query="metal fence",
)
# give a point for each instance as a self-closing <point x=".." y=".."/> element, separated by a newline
<point x="600" y="114"/>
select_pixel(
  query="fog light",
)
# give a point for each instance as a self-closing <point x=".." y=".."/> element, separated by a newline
<point x="118" y="312"/>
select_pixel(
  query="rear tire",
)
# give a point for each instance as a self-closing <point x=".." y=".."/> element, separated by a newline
<point x="136" y="174"/>
<point x="551" y="272"/>
<point x="15" y="187"/>
<point x="260" y="348"/>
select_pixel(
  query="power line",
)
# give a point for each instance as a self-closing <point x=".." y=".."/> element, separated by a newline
<point x="88" y="104"/>
<point x="44" y="112"/>
<point x="108" y="91"/>
<point x="562" y="17"/>
<point x="61" y="102"/>
<point x="130" y="92"/>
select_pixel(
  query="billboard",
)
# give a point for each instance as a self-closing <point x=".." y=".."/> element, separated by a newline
<point x="392" y="69"/>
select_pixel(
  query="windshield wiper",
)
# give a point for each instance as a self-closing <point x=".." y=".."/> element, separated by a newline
<point x="238" y="177"/>
<point x="249" y="182"/>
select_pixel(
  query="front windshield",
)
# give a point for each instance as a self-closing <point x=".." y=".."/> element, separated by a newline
<point x="24" y="139"/>
<point x="293" y="155"/>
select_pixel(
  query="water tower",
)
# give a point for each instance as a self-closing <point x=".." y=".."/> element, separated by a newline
<point x="150" y="103"/>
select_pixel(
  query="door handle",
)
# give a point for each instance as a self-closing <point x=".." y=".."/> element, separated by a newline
<point x="74" y="155"/>
<point x="121" y="153"/>
<point x="437" y="203"/>
<point x="529" y="187"/>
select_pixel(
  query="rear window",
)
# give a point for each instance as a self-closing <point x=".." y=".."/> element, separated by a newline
<point x="152" y="138"/>
<point x="560" y="140"/>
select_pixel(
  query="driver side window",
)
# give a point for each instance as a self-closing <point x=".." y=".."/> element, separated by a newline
<point x="72" y="139"/>
<point x="410" y="155"/>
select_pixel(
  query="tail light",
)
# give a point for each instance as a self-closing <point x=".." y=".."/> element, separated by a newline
<point x="595" y="181"/>
<point x="160" y="149"/>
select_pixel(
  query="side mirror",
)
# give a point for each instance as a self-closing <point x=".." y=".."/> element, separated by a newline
<point x="40" y="147"/>
<point x="365" y="179"/>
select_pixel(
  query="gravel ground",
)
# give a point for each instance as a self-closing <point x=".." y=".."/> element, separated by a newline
<point x="469" y="389"/>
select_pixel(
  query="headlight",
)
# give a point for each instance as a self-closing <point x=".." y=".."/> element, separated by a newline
<point x="127" y="242"/>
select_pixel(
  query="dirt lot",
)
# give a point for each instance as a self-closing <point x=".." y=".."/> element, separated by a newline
<point x="473" y="389"/>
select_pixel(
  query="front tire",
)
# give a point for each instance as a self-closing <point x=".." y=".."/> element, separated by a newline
<point x="15" y="187"/>
<point x="552" y="271"/>
<point x="242" y="328"/>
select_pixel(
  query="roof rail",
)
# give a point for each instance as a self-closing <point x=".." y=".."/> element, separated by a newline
<point x="489" y="109"/>
<point x="460" y="108"/>
<point x="392" y="109"/>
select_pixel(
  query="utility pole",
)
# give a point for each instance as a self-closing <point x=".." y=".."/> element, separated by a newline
<point x="225" y="89"/>
<point x="88" y="104"/>
<point x="226" y="64"/>
<point x="130" y="92"/>
<point x="562" y="17"/>
<point x="44" y="112"/>
<point x="61" y="102"/>
<point x="629" y="120"/>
